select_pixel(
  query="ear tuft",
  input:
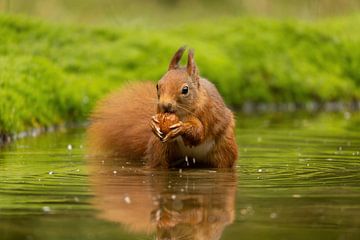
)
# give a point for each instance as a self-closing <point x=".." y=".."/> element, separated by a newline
<point x="191" y="67"/>
<point x="174" y="63"/>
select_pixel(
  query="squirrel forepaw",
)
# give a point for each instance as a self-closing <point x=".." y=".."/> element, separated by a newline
<point x="176" y="130"/>
<point x="155" y="128"/>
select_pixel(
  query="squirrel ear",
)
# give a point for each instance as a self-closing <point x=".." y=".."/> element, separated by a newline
<point x="191" y="66"/>
<point x="174" y="64"/>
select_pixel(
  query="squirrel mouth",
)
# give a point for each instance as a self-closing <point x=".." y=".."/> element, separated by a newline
<point x="167" y="110"/>
<point x="170" y="111"/>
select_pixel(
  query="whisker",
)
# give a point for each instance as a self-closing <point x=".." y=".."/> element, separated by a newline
<point x="181" y="106"/>
<point x="184" y="235"/>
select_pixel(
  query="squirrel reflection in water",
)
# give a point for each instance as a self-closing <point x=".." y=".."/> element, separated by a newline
<point x="170" y="204"/>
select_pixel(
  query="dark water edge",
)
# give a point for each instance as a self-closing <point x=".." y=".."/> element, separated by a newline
<point x="308" y="107"/>
<point x="247" y="108"/>
<point x="34" y="132"/>
<point x="297" y="177"/>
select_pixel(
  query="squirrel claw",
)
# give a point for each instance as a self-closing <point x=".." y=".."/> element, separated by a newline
<point x="172" y="134"/>
<point x="155" y="129"/>
<point x="154" y="118"/>
<point x="158" y="133"/>
<point x="176" y="125"/>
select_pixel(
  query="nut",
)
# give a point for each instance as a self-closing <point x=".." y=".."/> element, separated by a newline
<point x="166" y="120"/>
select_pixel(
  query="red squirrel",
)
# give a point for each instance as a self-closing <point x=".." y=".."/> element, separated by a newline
<point x="126" y="123"/>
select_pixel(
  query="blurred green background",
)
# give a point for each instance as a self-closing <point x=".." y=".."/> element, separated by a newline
<point x="170" y="12"/>
<point x="58" y="57"/>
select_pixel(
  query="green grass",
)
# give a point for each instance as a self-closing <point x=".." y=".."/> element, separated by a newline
<point x="50" y="74"/>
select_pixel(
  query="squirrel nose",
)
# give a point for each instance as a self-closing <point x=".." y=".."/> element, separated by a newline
<point x="167" y="107"/>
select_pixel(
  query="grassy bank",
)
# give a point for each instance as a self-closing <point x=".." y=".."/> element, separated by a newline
<point x="50" y="74"/>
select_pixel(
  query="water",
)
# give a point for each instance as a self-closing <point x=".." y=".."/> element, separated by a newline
<point x="297" y="178"/>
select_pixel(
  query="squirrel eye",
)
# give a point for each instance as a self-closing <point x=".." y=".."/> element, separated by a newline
<point x="185" y="90"/>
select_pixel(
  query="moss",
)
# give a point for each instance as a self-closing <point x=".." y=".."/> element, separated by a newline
<point x="54" y="73"/>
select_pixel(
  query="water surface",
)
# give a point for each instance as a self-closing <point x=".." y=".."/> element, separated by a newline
<point x="297" y="177"/>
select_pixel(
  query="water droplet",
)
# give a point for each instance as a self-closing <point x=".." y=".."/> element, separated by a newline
<point x="69" y="147"/>
<point x="51" y="173"/>
<point x="46" y="209"/>
<point x="260" y="170"/>
<point x="127" y="200"/>
<point x="157" y="215"/>
<point x="173" y="197"/>
<point x="296" y="196"/>
<point x="273" y="215"/>
<point x="243" y="211"/>
<point x="115" y="172"/>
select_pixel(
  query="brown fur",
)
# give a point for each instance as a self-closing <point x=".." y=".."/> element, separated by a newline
<point x="121" y="123"/>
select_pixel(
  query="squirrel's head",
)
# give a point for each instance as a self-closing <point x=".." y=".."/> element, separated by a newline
<point x="179" y="88"/>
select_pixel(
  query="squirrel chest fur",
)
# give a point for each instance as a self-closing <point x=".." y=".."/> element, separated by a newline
<point x="183" y="121"/>
<point x="198" y="152"/>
